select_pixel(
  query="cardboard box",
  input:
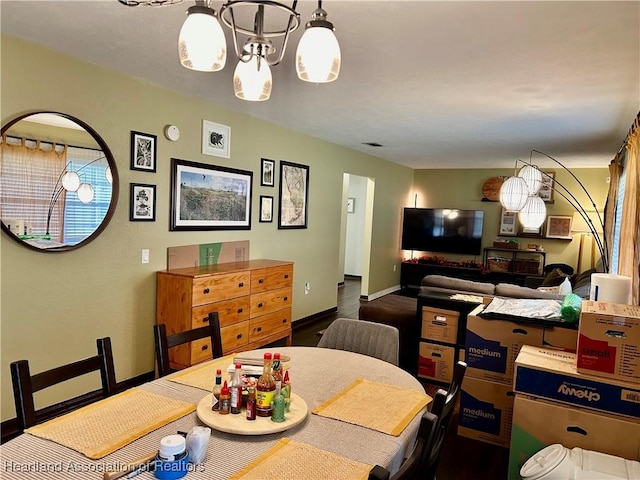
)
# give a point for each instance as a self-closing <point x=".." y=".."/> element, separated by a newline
<point x="440" y="325"/>
<point x="609" y="340"/>
<point x="539" y="423"/>
<point x="436" y="362"/>
<point x="552" y="374"/>
<point x="493" y="345"/>
<point x="486" y="411"/>
<point x="560" y="338"/>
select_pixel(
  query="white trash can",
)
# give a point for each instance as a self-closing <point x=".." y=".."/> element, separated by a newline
<point x="556" y="462"/>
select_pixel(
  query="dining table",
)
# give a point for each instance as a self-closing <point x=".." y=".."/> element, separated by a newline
<point x="321" y="377"/>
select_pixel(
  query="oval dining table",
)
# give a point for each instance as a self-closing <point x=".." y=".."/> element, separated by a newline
<point x="317" y="374"/>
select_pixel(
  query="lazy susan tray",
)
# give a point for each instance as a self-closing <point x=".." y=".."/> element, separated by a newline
<point x="260" y="426"/>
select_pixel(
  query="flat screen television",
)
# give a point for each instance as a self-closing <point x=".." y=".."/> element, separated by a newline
<point x="443" y="230"/>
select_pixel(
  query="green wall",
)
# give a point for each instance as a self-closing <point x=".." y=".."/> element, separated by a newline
<point x="54" y="306"/>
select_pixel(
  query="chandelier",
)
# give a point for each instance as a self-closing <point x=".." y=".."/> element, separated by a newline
<point x="202" y="45"/>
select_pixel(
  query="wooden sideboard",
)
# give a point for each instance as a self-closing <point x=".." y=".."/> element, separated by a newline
<point x="252" y="298"/>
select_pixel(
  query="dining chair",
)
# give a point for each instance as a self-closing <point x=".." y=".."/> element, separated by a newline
<point x="25" y="384"/>
<point x="359" y="336"/>
<point x="164" y="342"/>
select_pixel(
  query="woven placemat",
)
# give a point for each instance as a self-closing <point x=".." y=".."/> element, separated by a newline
<point x="381" y="407"/>
<point x="291" y="459"/>
<point x="105" y="426"/>
<point x="202" y="376"/>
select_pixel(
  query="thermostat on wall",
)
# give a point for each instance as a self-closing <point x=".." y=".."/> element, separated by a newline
<point x="172" y="132"/>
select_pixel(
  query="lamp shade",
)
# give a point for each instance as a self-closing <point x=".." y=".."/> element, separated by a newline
<point x="532" y="177"/>
<point x="251" y="82"/>
<point x="201" y="44"/>
<point x="108" y="174"/>
<point x="85" y="193"/>
<point x="70" y="181"/>
<point x="533" y="213"/>
<point x="318" y="55"/>
<point x="513" y="194"/>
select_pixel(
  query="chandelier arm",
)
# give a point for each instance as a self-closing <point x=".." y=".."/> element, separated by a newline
<point x="234" y="34"/>
<point x="285" y="41"/>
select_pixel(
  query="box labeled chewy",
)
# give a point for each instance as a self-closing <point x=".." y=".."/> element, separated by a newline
<point x="552" y="375"/>
<point x="609" y="340"/>
<point x="492" y="346"/>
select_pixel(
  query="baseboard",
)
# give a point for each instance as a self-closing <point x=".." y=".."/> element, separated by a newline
<point x="9" y="428"/>
<point x="303" y="322"/>
<point x="382" y="293"/>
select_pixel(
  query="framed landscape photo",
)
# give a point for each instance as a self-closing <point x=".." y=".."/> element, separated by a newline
<point x="266" y="208"/>
<point x="216" y="139"/>
<point x="142" y="202"/>
<point x="546" y="190"/>
<point x="143" y="151"/>
<point x="508" y="224"/>
<point x="209" y="197"/>
<point x="559" y="226"/>
<point x="267" y="172"/>
<point x="294" y="195"/>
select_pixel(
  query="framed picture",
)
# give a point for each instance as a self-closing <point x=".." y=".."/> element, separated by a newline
<point x="531" y="232"/>
<point x="142" y="202"/>
<point x="268" y="173"/>
<point x="508" y="223"/>
<point x="143" y="151"/>
<point x="546" y="190"/>
<point x="216" y="139"/>
<point x="208" y="197"/>
<point x="351" y="205"/>
<point x="559" y="226"/>
<point x="266" y="208"/>
<point x="294" y="195"/>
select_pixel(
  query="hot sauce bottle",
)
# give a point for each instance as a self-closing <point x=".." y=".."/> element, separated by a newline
<point x="217" y="387"/>
<point x="236" y="390"/>
<point x="251" y="404"/>
<point x="265" y="387"/>
<point x="225" y="400"/>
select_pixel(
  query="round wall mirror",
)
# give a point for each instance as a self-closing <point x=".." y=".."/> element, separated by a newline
<point x="58" y="182"/>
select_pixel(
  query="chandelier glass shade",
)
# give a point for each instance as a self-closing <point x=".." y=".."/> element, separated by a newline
<point x="533" y="178"/>
<point x="534" y="212"/>
<point x="201" y="43"/>
<point x="514" y="194"/>
<point x="318" y="55"/>
<point x="252" y="80"/>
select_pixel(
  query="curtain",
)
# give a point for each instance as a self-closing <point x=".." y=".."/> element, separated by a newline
<point x="29" y="173"/>
<point x="615" y="172"/>
<point x="629" y="256"/>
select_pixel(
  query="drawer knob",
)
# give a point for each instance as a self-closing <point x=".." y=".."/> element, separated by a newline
<point x="286" y="298"/>
<point x="259" y="329"/>
<point x="239" y="336"/>
<point x="284" y="320"/>
<point x="240" y="310"/>
<point x="286" y="276"/>
<point x="205" y="347"/>
<point x="260" y="305"/>
<point x="205" y="291"/>
<point x="205" y="320"/>
<point x="261" y="280"/>
<point x="241" y="284"/>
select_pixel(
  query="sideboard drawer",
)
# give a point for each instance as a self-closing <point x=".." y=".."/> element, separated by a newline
<point x="269" y="324"/>
<point x="212" y="288"/>
<point x="264" y="279"/>
<point x="229" y="312"/>
<point x="269" y="302"/>
<point x="234" y="336"/>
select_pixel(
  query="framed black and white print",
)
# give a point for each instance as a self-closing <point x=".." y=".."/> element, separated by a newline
<point x="209" y="197"/>
<point x="142" y="202"/>
<point x="267" y="172"/>
<point x="216" y="139"/>
<point x="143" y="151"/>
<point x="266" y="208"/>
<point x="294" y="195"/>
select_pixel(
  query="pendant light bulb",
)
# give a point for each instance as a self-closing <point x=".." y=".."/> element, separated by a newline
<point x="202" y="45"/>
<point x="70" y="181"/>
<point x="513" y="194"/>
<point x="252" y="81"/>
<point x="318" y="54"/>
<point x="85" y="193"/>
<point x="533" y="178"/>
<point x="533" y="213"/>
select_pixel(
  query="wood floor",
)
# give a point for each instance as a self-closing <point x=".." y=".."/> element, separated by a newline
<point x="462" y="458"/>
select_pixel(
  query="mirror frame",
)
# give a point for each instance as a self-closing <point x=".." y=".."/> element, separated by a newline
<point x="115" y="186"/>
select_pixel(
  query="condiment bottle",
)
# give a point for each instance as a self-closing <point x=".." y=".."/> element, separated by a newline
<point x="215" y="399"/>
<point x="225" y="399"/>
<point x="251" y="404"/>
<point x="277" y="406"/>
<point x="265" y="387"/>
<point x="277" y="369"/>
<point x="236" y="390"/>
<point x="286" y="391"/>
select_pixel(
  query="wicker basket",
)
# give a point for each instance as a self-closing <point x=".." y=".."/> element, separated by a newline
<point x="530" y="266"/>
<point x="498" y="264"/>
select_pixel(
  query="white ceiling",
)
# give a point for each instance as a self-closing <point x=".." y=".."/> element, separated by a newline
<point x="440" y="84"/>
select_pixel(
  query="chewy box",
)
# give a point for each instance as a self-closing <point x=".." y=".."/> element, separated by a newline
<point x="492" y="346"/>
<point x="609" y="340"/>
<point x="539" y="423"/>
<point x="486" y="410"/>
<point x="552" y="374"/>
